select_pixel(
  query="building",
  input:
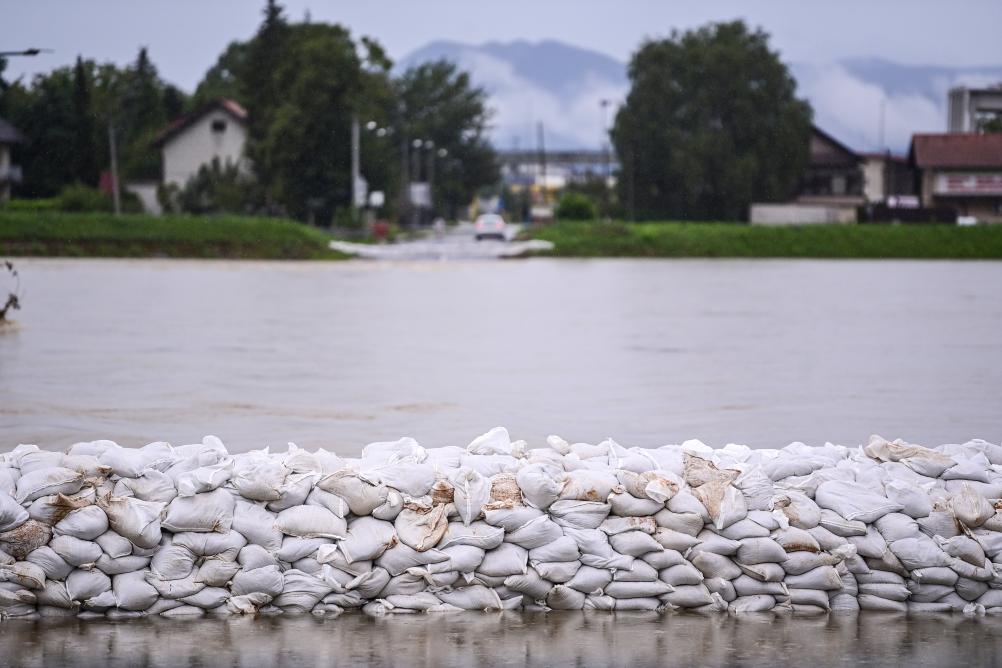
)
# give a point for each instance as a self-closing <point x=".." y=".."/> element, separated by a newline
<point x="217" y="131"/>
<point x="887" y="177"/>
<point x="960" y="170"/>
<point x="9" y="172"/>
<point x="834" y="175"/>
<point x="970" y="107"/>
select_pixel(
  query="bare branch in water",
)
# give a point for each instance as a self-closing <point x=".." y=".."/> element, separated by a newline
<point x="13" y="302"/>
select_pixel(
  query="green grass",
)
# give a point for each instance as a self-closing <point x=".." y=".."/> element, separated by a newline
<point x="104" y="235"/>
<point x="675" y="239"/>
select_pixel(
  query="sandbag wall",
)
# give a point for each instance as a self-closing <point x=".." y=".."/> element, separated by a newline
<point x="191" y="530"/>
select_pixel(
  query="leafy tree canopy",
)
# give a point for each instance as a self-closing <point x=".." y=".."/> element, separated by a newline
<point x="711" y="124"/>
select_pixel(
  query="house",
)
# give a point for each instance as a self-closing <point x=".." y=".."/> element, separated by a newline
<point x="217" y="131"/>
<point x="969" y="108"/>
<point x="960" y="170"/>
<point x="887" y="178"/>
<point x="833" y="176"/>
<point x="9" y="172"/>
<point x="830" y="191"/>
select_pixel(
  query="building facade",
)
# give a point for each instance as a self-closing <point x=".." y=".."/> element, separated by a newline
<point x="960" y="170"/>
<point x="969" y="107"/>
<point x="217" y="131"/>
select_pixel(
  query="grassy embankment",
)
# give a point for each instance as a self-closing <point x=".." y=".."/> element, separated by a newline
<point x="103" y="235"/>
<point x="674" y="239"/>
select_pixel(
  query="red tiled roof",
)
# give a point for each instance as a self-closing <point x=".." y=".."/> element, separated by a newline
<point x="232" y="107"/>
<point x="962" y="150"/>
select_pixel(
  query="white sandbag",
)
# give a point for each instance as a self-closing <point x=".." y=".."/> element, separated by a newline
<point x="689" y="596"/>
<point x="854" y="502"/>
<point x="914" y="502"/>
<point x="47" y="481"/>
<point x="637" y="589"/>
<point x="476" y="597"/>
<point x="723" y="501"/>
<point x="420" y="527"/>
<point x="793" y="539"/>
<point x="172" y="562"/>
<point x="84" y="523"/>
<point x="535" y="533"/>
<point x="563" y="548"/>
<point x="504" y="560"/>
<point x="624" y="504"/>
<point x="713" y="565"/>
<point x="532" y="585"/>
<point x="132" y="592"/>
<point x="267" y="580"/>
<point x="559" y="572"/>
<point x="301" y="591"/>
<point x="922" y="460"/>
<point x="633" y="543"/>
<point x="53" y="565"/>
<point x="136" y="520"/>
<point x="367" y="538"/>
<point x="595" y="549"/>
<point x="257" y="524"/>
<point x="208" y="511"/>
<point x="116" y="566"/>
<point x="361" y="495"/>
<point x="897" y="526"/>
<point x="663" y="558"/>
<point x="711" y="542"/>
<point x="580" y="514"/>
<point x="471" y="492"/>
<point x="324" y="499"/>
<point x="681" y="575"/>
<point x="12" y="514"/>
<point x="74" y="551"/>
<point x="753" y="603"/>
<point x="152" y="485"/>
<point x="970" y="508"/>
<point x="675" y="540"/>
<point x="401" y="557"/>
<point x="687" y="523"/>
<point x="824" y="578"/>
<point x="311" y="522"/>
<point x="204" y="478"/>
<point x="258" y="477"/>
<point x="759" y="551"/>
<point x="562" y="597"/>
<point x="541" y="485"/>
<point x="224" y="546"/>
<point x="83" y="585"/>
<point x="800" y="510"/>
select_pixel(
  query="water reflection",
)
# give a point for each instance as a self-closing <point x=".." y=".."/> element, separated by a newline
<point x="461" y="639"/>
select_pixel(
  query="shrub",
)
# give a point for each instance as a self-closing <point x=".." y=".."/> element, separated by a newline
<point x="575" y="206"/>
<point x="78" y="198"/>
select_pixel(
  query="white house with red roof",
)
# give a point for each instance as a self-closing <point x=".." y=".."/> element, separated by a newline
<point x="962" y="171"/>
<point x="217" y="131"/>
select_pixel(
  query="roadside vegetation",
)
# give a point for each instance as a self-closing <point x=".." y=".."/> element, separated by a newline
<point x="679" y="239"/>
<point x="48" y="233"/>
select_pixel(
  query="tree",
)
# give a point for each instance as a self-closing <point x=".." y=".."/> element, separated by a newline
<point x="441" y="104"/>
<point x="86" y="161"/>
<point x="711" y="123"/>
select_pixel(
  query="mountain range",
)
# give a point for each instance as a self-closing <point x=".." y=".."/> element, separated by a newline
<point x="561" y="86"/>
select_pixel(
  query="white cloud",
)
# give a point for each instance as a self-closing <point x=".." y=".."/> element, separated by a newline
<point x="519" y="104"/>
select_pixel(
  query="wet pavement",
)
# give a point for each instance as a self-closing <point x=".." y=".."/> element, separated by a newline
<point x="458" y="243"/>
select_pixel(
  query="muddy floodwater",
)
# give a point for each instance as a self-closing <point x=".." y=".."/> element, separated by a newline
<point x="508" y="639"/>
<point x="762" y="352"/>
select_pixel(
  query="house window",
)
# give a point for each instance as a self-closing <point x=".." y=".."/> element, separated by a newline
<point x="218" y="126"/>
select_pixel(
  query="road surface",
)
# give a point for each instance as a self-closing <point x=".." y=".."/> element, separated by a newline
<point x="458" y="243"/>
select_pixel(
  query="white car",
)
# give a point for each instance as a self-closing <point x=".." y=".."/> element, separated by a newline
<point x="489" y="225"/>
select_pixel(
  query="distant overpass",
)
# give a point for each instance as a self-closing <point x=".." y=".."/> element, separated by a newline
<point x="559" y="167"/>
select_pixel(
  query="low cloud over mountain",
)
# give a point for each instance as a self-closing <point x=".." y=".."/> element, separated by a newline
<point x="561" y="86"/>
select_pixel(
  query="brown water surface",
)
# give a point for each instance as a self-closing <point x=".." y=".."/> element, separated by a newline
<point x="762" y="352"/>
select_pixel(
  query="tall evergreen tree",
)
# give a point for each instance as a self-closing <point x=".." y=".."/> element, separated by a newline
<point x="85" y="159"/>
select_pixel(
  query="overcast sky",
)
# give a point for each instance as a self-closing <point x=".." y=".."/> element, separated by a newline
<point x="186" y="36"/>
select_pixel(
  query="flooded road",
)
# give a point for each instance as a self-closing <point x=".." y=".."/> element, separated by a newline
<point x="647" y="351"/>
<point x="508" y="639"/>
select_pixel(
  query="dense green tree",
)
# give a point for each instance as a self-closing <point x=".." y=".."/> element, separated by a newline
<point x="85" y="152"/>
<point x="441" y="104"/>
<point x="711" y="124"/>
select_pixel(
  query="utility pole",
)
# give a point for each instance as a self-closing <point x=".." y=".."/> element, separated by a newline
<point x="542" y="160"/>
<point x="430" y="145"/>
<point x="880" y="130"/>
<point x="356" y="159"/>
<point x="404" y="196"/>
<point x="116" y="198"/>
